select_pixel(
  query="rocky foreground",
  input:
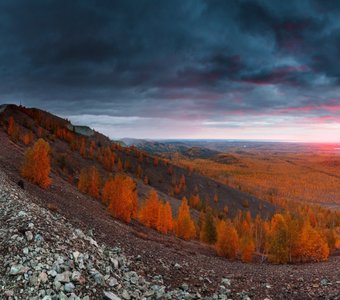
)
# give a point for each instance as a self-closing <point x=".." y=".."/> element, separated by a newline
<point x="44" y="257"/>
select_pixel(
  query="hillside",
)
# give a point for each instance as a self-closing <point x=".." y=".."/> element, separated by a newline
<point x="127" y="260"/>
<point x="163" y="177"/>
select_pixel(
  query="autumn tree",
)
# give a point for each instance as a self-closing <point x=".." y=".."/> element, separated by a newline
<point x="27" y="138"/>
<point x="278" y="240"/>
<point x="227" y="244"/>
<point x="184" y="225"/>
<point x="155" y="214"/>
<point x="208" y="232"/>
<point x="91" y="149"/>
<point x="12" y="129"/>
<point x="37" y="165"/>
<point x="247" y="248"/>
<point x="107" y="158"/>
<point x="149" y="213"/>
<point x="313" y="245"/>
<point x="165" y="220"/>
<point x="82" y="147"/>
<point x="259" y="234"/>
<point x="293" y="236"/>
<point x="108" y="190"/>
<point x="127" y="164"/>
<point x="182" y="182"/>
<point x="195" y="201"/>
<point x="89" y="181"/>
<point x="119" y="165"/>
<point x="122" y="200"/>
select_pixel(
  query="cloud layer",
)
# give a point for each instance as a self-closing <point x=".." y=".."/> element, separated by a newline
<point x="195" y="68"/>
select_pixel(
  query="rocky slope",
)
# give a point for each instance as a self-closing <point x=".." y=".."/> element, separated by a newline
<point x="45" y="257"/>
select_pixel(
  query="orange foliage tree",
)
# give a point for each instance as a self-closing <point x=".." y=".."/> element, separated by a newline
<point x="165" y="220"/>
<point x="121" y="196"/>
<point x="27" y="138"/>
<point x="155" y="214"/>
<point x="184" y="225"/>
<point x="37" y="165"/>
<point x="312" y="245"/>
<point x="149" y="213"/>
<point x="227" y="243"/>
<point x="247" y="248"/>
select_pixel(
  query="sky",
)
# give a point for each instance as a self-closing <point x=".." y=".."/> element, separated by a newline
<point x="163" y="69"/>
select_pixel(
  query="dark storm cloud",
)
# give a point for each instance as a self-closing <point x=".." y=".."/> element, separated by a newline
<point x="192" y="59"/>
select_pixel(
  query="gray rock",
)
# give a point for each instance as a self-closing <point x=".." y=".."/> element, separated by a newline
<point x="62" y="296"/>
<point x="57" y="285"/>
<point x="177" y="266"/>
<point x="113" y="281"/>
<point x="38" y="238"/>
<point x="149" y="293"/>
<point x="76" y="255"/>
<point x="324" y="282"/>
<point x="29" y="235"/>
<point x="43" y="277"/>
<point x="22" y="214"/>
<point x="110" y="296"/>
<point x="9" y="293"/>
<point x="76" y="276"/>
<point x="115" y="263"/>
<point x="18" y="269"/>
<point x="226" y="281"/>
<point x="126" y="295"/>
<point x="69" y="287"/>
<point x="99" y="279"/>
<point x="63" y="277"/>
<point x="52" y="273"/>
